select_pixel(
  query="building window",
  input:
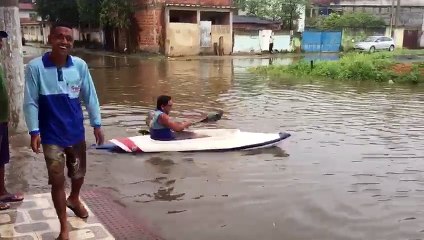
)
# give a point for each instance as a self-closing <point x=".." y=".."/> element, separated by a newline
<point x="182" y="16"/>
<point x="217" y="18"/>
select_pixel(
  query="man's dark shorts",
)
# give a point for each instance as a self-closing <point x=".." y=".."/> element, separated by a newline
<point x="4" y="144"/>
<point x="74" y="157"/>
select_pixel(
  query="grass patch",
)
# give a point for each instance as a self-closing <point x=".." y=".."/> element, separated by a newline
<point x="409" y="52"/>
<point x="379" y="67"/>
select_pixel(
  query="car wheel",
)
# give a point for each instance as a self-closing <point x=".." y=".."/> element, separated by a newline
<point x="372" y="49"/>
<point x="391" y="48"/>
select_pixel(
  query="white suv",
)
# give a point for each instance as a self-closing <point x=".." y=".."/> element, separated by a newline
<point x="375" y="43"/>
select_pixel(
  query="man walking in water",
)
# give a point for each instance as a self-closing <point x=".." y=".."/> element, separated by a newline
<point x="54" y="83"/>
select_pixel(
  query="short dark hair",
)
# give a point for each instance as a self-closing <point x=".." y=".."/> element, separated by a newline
<point x="162" y="100"/>
<point x="59" y="24"/>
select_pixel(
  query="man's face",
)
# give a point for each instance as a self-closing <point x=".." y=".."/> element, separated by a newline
<point x="61" y="40"/>
<point x="167" y="108"/>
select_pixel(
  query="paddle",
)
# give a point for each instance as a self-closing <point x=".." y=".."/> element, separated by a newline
<point x="211" y="117"/>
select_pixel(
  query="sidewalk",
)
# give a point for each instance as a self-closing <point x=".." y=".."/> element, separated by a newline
<point x="35" y="218"/>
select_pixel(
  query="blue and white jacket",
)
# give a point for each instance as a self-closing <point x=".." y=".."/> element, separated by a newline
<point x="52" y="105"/>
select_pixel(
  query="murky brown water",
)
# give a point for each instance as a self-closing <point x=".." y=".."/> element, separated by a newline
<point x="353" y="168"/>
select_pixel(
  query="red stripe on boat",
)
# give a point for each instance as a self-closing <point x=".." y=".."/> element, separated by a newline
<point x="129" y="144"/>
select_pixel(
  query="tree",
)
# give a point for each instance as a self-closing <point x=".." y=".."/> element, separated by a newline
<point x="284" y="11"/>
<point x="89" y="12"/>
<point x="58" y="10"/>
<point x="337" y="21"/>
<point x="116" y="14"/>
<point x="287" y="11"/>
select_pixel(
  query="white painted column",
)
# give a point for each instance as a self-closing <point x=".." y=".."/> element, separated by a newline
<point x="231" y="32"/>
<point x="11" y="58"/>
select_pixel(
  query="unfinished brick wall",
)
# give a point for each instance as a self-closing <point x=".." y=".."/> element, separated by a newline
<point x="150" y="37"/>
<point x="150" y="18"/>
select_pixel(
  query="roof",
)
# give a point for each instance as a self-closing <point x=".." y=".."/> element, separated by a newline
<point x="251" y="19"/>
<point x="26" y="6"/>
<point x="198" y="5"/>
<point x="27" y="21"/>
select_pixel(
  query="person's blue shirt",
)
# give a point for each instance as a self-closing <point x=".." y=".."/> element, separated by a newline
<point x="159" y="131"/>
<point x="52" y="104"/>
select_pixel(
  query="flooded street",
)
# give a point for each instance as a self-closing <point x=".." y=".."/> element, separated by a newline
<point x="353" y="168"/>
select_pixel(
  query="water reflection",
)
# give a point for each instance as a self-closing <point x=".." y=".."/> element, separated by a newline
<point x="353" y="161"/>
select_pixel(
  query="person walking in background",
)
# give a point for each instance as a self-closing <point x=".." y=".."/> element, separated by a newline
<point x="271" y="42"/>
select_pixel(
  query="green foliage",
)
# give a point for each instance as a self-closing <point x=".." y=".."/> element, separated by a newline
<point x="351" y="66"/>
<point x="414" y="76"/>
<point x="89" y="11"/>
<point x="116" y="13"/>
<point x="284" y="11"/>
<point x="58" y="10"/>
<point x="336" y="21"/>
<point x="113" y="13"/>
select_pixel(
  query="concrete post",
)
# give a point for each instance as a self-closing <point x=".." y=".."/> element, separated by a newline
<point x="167" y="44"/>
<point x="231" y="32"/>
<point x="12" y="60"/>
<point x="397" y="18"/>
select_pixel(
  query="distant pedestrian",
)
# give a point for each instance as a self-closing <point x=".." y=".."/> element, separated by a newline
<point x="271" y="42"/>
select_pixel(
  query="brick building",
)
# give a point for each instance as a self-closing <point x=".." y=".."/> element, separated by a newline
<point x="183" y="27"/>
<point x="31" y="26"/>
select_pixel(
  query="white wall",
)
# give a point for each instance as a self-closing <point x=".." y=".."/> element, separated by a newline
<point x="282" y="42"/>
<point x="32" y="33"/>
<point x="264" y="36"/>
<point x="23" y="14"/>
<point x="302" y="17"/>
<point x="246" y="44"/>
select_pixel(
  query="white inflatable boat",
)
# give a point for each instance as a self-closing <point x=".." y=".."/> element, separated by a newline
<point x="211" y="140"/>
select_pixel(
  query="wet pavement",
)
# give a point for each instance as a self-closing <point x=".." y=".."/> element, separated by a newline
<point x="351" y="170"/>
<point x="35" y="218"/>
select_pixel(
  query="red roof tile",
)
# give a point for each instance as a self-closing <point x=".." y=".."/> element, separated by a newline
<point x="26" y="6"/>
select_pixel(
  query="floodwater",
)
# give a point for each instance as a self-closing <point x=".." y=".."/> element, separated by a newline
<point x="353" y="168"/>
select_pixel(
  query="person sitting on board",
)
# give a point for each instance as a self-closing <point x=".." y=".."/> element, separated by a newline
<point x="162" y="128"/>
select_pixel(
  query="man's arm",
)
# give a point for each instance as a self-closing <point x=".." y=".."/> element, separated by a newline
<point x="89" y="97"/>
<point x="31" y="94"/>
<point x="177" y="127"/>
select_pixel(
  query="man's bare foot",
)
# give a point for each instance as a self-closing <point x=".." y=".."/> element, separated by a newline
<point x="77" y="207"/>
<point x="63" y="236"/>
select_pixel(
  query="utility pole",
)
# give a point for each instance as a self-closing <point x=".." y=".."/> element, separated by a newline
<point x="11" y="60"/>
<point x="392" y="17"/>
<point x="397" y="19"/>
